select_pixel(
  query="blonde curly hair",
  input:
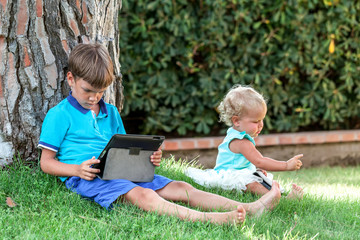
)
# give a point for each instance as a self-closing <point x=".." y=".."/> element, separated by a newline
<point x="238" y="101"/>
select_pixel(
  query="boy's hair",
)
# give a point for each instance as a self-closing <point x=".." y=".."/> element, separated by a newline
<point x="93" y="64"/>
<point x="238" y="101"/>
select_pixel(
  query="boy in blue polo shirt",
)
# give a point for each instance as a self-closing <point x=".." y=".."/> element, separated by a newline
<point x="76" y="130"/>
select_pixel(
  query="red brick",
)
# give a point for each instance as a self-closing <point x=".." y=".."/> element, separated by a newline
<point x="22" y="18"/>
<point x="217" y="141"/>
<point x="316" y="138"/>
<point x="171" y="145"/>
<point x="187" y="144"/>
<point x="258" y="141"/>
<point x="203" y="143"/>
<point x="268" y="140"/>
<point x="301" y="138"/>
<point x="286" y="139"/>
<point x="348" y="137"/>
<point x="39" y="8"/>
<point x="332" y="137"/>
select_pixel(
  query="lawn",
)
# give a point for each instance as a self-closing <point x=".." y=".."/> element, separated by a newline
<point x="45" y="209"/>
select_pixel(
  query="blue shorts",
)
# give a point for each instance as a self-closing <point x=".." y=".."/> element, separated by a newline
<point x="105" y="192"/>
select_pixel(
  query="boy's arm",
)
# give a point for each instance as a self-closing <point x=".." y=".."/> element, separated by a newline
<point x="50" y="165"/>
<point x="249" y="151"/>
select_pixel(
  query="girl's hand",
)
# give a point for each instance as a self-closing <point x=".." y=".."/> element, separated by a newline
<point x="155" y="158"/>
<point x="262" y="170"/>
<point x="294" y="163"/>
<point x="86" y="172"/>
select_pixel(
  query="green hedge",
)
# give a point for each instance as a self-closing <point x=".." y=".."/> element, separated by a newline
<point x="179" y="58"/>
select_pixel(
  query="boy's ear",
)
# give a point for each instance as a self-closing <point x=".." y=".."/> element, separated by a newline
<point x="235" y="121"/>
<point x="70" y="79"/>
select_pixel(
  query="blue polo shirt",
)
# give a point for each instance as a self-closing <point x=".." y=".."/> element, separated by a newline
<point x="75" y="133"/>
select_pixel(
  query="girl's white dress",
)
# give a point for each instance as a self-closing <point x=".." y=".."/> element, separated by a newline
<point x="225" y="179"/>
<point x="232" y="170"/>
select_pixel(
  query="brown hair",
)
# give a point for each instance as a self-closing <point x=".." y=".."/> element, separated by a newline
<point x="93" y="64"/>
<point x="238" y="101"/>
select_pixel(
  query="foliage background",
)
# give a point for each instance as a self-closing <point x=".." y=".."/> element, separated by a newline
<point x="180" y="57"/>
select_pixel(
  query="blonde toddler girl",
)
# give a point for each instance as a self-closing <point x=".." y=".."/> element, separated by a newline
<point x="243" y="109"/>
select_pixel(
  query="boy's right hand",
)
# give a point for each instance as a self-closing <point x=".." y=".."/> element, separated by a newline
<point x="294" y="163"/>
<point x="85" y="171"/>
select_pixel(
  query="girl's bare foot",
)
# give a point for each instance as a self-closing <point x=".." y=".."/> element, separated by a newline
<point x="266" y="202"/>
<point x="234" y="217"/>
<point x="295" y="193"/>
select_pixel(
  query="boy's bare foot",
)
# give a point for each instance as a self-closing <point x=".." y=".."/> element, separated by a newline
<point x="295" y="193"/>
<point x="234" y="217"/>
<point x="266" y="202"/>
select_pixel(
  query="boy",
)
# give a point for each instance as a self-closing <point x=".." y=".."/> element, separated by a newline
<point x="76" y="130"/>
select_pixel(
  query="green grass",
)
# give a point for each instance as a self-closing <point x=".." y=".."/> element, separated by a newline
<point x="47" y="210"/>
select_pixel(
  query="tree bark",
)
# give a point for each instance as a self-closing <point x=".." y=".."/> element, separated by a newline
<point x="36" y="37"/>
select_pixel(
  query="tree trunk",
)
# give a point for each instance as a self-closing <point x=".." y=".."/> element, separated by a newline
<point x="36" y="37"/>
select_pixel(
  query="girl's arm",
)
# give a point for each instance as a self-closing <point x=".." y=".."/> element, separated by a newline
<point x="249" y="151"/>
<point x="50" y="165"/>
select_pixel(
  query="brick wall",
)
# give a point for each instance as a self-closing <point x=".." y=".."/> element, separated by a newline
<point x="319" y="148"/>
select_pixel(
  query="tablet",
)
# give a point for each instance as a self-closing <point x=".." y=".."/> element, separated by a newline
<point x="127" y="156"/>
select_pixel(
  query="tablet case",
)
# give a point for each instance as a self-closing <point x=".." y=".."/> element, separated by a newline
<point x="127" y="156"/>
<point x="267" y="182"/>
<point x="121" y="163"/>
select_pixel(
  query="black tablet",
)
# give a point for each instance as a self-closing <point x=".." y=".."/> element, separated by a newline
<point x="127" y="156"/>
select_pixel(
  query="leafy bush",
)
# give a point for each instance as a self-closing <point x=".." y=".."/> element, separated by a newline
<point x="179" y="58"/>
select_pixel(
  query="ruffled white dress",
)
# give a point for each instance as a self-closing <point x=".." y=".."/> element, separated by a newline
<point x="225" y="179"/>
<point x="232" y="170"/>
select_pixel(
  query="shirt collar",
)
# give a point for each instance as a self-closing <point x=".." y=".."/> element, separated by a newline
<point x="83" y="110"/>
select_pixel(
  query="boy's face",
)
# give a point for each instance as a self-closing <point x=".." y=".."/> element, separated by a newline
<point x="252" y="122"/>
<point x="87" y="96"/>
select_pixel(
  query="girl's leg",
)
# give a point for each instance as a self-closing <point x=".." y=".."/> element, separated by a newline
<point x="256" y="188"/>
<point x="184" y="192"/>
<point x="296" y="192"/>
<point x="149" y="200"/>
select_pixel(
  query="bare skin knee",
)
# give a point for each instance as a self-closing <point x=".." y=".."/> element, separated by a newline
<point x="180" y="185"/>
<point x="142" y="197"/>
<point x="177" y="191"/>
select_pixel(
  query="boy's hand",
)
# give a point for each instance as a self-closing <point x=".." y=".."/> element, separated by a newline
<point x="294" y="163"/>
<point x="86" y="172"/>
<point x="155" y="158"/>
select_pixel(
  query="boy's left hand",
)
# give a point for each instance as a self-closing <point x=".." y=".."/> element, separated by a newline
<point x="155" y="158"/>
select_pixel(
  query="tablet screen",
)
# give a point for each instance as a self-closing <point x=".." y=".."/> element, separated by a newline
<point x="135" y="143"/>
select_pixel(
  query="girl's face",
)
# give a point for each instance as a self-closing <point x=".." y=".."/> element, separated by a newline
<point x="251" y="122"/>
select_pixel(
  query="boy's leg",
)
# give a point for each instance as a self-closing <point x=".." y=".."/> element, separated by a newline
<point x="182" y="191"/>
<point x="149" y="200"/>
